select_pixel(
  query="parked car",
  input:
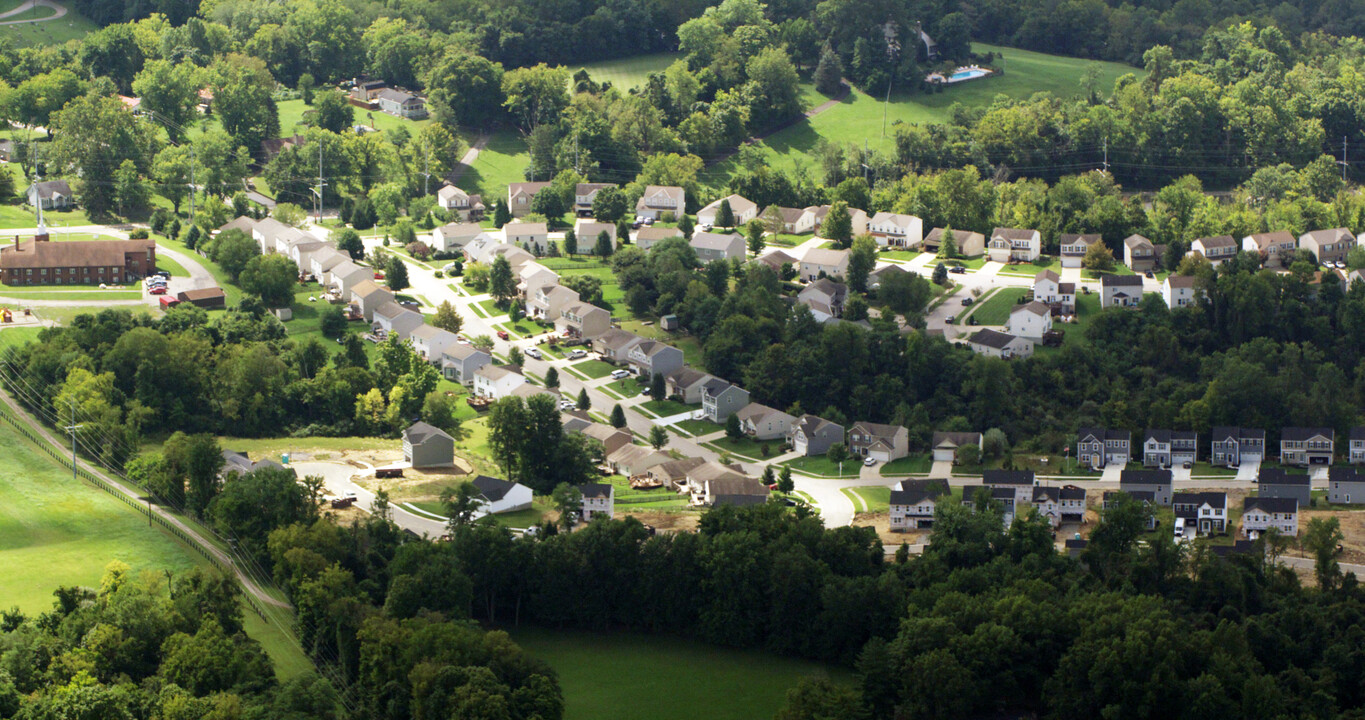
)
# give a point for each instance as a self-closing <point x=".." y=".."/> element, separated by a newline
<point x="957" y="270"/>
<point x="532" y="353"/>
<point x="1149" y="275"/>
<point x="502" y="335"/>
<point x="378" y="275"/>
<point x="869" y="462"/>
<point x="163" y="273"/>
<point x="620" y="374"/>
<point x="567" y="405"/>
<point x="158" y="290"/>
<point x="576" y="354"/>
<point x="966" y="302"/>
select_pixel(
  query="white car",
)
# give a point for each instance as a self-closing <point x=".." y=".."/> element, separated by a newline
<point x="620" y="374"/>
<point x="576" y="354"/>
<point x="532" y="353"/>
<point x="567" y="405"/>
<point x="869" y="462"/>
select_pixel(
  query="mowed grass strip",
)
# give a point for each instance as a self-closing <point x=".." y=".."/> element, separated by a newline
<point x="629" y="677"/>
<point x="631" y="72"/>
<point x="996" y="309"/>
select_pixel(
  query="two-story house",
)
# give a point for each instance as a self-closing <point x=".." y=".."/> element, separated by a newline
<point x="1306" y="446"/>
<point x="993" y="343"/>
<point x="1021" y="482"/>
<point x="1207" y="512"/>
<point x="1154" y="481"/>
<point x="1263" y="513"/>
<point x="1049" y="289"/>
<point x="1328" y="246"/>
<point x="1100" y="447"/>
<point x="1216" y="249"/>
<point x="687" y="384"/>
<point x="1059" y="504"/>
<point x="1120" y="291"/>
<point x="1276" y="482"/>
<point x="1274" y="247"/>
<point x="651" y="357"/>
<point x="598" y="499"/>
<point x="896" y="230"/>
<point x="825" y="299"/>
<point x="969" y="244"/>
<point x="1139" y="254"/>
<point x="742" y="209"/>
<point x="533" y="277"/>
<point x="1145" y="497"/>
<point x="496" y="382"/>
<point x="1179" y="291"/>
<point x="811" y="435"/>
<point x="431" y="342"/>
<point x="394" y="319"/>
<point x="882" y="443"/>
<point x="613" y="345"/>
<point x="761" y="422"/>
<point x="717" y="246"/>
<point x="823" y="262"/>
<point x="520" y="195"/>
<point x="1031" y="320"/>
<point x="460" y="203"/>
<point x="1074" y="247"/>
<point x="453" y="237"/>
<point x="367" y="296"/>
<point x="1001" y="496"/>
<point x="534" y="237"/>
<point x="546" y="302"/>
<point x="720" y="399"/>
<point x="579" y="319"/>
<point x="913" y="503"/>
<point x="1356" y="449"/>
<point x="1168" y="448"/>
<point x="657" y="200"/>
<point x="1231" y="446"/>
<point x="1014" y="245"/>
<point x="587" y="232"/>
<point x="584" y="194"/>
<point x="459" y="363"/>
<point x="648" y="237"/>
<point x="1345" y="486"/>
<point x="946" y="444"/>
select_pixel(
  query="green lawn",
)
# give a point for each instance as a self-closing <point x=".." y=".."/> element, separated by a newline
<point x="899" y="254"/>
<point x="1087" y="307"/>
<point x="16" y="216"/>
<point x="667" y="408"/>
<point x="233" y="294"/>
<point x="292" y="111"/>
<point x="911" y="464"/>
<point x="502" y="161"/>
<point x="171" y="266"/>
<point x="594" y="368"/>
<point x="87" y="293"/>
<point x="53" y="32"/>
<point x="631" y="72"/>
<point x="822" y="466"/>
<point x="995" y="310"/>
<point x="1203" y="468"/>
<point x="627" y="387"/>
<point x="859" y="117"/>
<point x="698" y="427"/>
<point x="748" y="447"/>
<point x="619" y="676"/>
<point x="876" y="499"/>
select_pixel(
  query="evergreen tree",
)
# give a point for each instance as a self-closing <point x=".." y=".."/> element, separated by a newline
<point x="940" y="274"/>
<point x="396" y="274"/>
<point x="603" y="248"/>
<point x="755" y="232"/>
<point x="829" y="73"/>
<point x="501" y="214"/>
<point x="584" y="403"/>
<point x="656" y="387"/>
<point x="725" y="216"/>
<point x="785" y="484"/>
<point x="552" y="377"/>
<point x="948" y="248"/>
<point x="618" y="416"/>
<point x="570" y="242"/>
<point x="686" y="225"/>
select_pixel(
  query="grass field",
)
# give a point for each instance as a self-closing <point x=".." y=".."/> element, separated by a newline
<point x="633" y="677"/>
<point x="594" y="368"/>
<point x="698" y="427"/>
<point x="873" y="499"/>
<point x="666" y="408"/>
<point x="996" y="309"/>
<point x="91" y="294"/>
<point x="908" y="465"/>
<point x="53" y="32"/>
<point x="631" y="72"/>
<point x="503" y="160"/>
<point x="17" y="216"/>
<point x="824" y="467"/>
<point x="748" y="447"/>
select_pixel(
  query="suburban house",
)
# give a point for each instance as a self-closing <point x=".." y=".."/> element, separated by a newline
<point x="813" y="219"/>
<point x="347" y="276"/>
<point x="1328" y="245"/>
<point x="994" y="343"/>
<point x="1074" y="247"/>
<point x="597" y="500"/>
<point x="1120" y="290"/>
<point x="520" y="194"/>
<point x="651" y="357"/>
<point x="480" y="248"/>
<point x="613" y="345"/>
<point x="811" y="435"/>
<point x="1014" y="245"/>
<point x="431" y="342"/>
<point x="1179" y="291"/>
<point x="1206" y="512"/>
<point x="533" y="277"/>
<point x="496" y="382"/>
<point x="272" y="147"/>
<point x="648" y="237"/>
<point x="368" y="296"/>
<point x="515" y="256"/>
<point x="302" y="252"/>
<point x="673" y="473"/>
<point x="547" y="301"/>
<point x="460" y="203"/>
<point x="969" y="244"/>
<point x="687" y="384"/>
<point x="946" y="444"/>
<point x="426" y="445"/>
<point x="742" y="209"/>
<point x="89" y="262"/>
<point x="584" y="194"/>
<point x="913" y="503"/>
<point x="717" y="246"/>
<point x="720" y="399"/>
<point x="1231" y="445"/>
<point x="1263" y="513"/>
<point x="825" y="298"/>
<point x="1059" y="296"/>
<point x="579" y="319"/>
<point x="1145" y="497"/>
<point x="1139" y="254"/>
<point x="609" y="437"/>
<point x="1356" y="449"/>
<point x="789" y="217"/>
<point x="1345" y="486"/>
<point x="659" y="199"/>
<point x="528" y="235"/>
<point x="459" y="363"/>
<point x="1099" y="447"/>
<point x="824" y="261"/>
<point x="366" y="90"/>
<point x="321" y="263"/>
<point x="880" y="275"/>
<point x="500" y="496"/>
<point x="1001" y="496"/>
<point x="1156" y="482"/>
<point x="394" y="319"/>
<point x="761" y="422"/>
<point x="240" y="463"/>
<point x="632" y="460"/>
<point x="1031" y="320"/>
<point x="775" y="259"/>
<point x="1306" y="446"/>
<point x="51" y="195"/>
<point x="1020" y="482"/>
<point x="1168" y="448"/>
<point x="895" y="230"/>
<point x="587" y="232"/>
<point x="1278" y="483"/>
<point x="882" y="443"/>
<point x="1273" y="246"/>
<point x="733" y="488"/>
<point x="1215" y="249"/>
<point x="1059" y="505"/>
<point x="401" y="104"/>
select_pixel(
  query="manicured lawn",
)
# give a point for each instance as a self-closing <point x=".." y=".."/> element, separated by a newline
<point x="698" y="427"/>
<point x="171" y="266"/>
<point x="490" y="308"/>
<point x="594" y="368"/>
<point x="292" y="111"/>
<point x="631" y="72"/>
<point x="667" y="408"/>
<point x="910" y="464"/>
<point x="1203" y="468"/>
<point x="1030" y="269"/>
<point x="899" y="254"/>
<point x="821" y="465"/>
<point x="748" y="447"/>
<point x="15" y="216"/>
<point x="876" y="499"/>
<point x="627" y="387"/>
<point x="1087" y="307"/>
<point x="502" y="161"/>
<point x="91" y="293"/>
<point x="995" y="310"/>
<point x="619" y="676"/>
<point x="73" y="26"/>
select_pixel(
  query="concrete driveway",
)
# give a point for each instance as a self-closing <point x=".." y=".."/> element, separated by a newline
<point x="1112" y="473"/>
<point x="1248" y="470"/>
<point x="337" y="479"/>
<point x="941" y="469"/>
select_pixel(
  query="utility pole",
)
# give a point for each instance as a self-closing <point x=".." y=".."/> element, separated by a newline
<point x="426" y="169"/>
<point x="1343" y="158"/>
<point x="72" y="428"/>
<point x="38" y="178"/>
<point x="864" y="160"/>
<point x="191" y="184"/>
<point x="576" y="168"/>
<point x="1106" y="154"/>
<point x="321" y="185"/>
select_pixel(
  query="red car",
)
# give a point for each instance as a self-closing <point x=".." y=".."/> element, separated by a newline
<point x="158" y="290"/>
<point x="379" y="276"/>
<point x="502" y="334"/>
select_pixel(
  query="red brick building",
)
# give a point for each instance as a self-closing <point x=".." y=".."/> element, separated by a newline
<point x="76" y="262"/>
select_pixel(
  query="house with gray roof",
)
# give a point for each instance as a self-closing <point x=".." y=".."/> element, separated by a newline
<point x="761" y="422"/>
<point x="1307" y="445"/>
<point x="720" y="399"/>
<point x="1156" y="482"/>
<point x="648" y="237"/>
<point x="1139" y="254"/>
<point x="51" y="195"/>
<point x="1328" y="245"/>
<point x="1074" y="247"/>
<point x="651" y="357"/>
<point x="880" y="442"/>
<point x="994" y="343"/>
<point x="818" y="262"/>
<point x="1168" y="448"/>
<point x="1345" y="486"/>
<point x="687" y="384"/>
<point x="459" y="363"/>
<point x="1277" y="482"/>
<point x="1097" y="448"/>
<point x="658" y="200"/>
<point x="1120" y="290"/>
<point x="425" y="445"/>
<point x="1231" y="445"/>
<point x="394" y="319"/>
<point x="913" y="503"/>
<point x="501" y="496"/>
<point x="1216" y="249"/>
<point x="811" y="435"/>
<point x="431" y="342"/>
<point x="825" y="298"/>
<point x="613" y="345"/>
<point x="1263" y="513"/>
<point x="717" y="246"/>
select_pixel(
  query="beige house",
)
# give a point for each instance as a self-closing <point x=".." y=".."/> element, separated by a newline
<point x="1139" y="254"/>
<point x="993" y="343"/>
<point x="830" y="263"/>
<point x="1215" y="249"/>
<point x="519" y="196"/>
<point x="882" y="443"/>
<point x="743" y="210"/>
<point x="579" y="319"/>
<point x="1013" y="244"/>
<point x="761" y="422"/>
<point x="535" y="236"/>
<point x="1328" y="245"/>
<point x="659" y="199"/>
<point x="1074" y="247"/>
<point x="969" y="244"/>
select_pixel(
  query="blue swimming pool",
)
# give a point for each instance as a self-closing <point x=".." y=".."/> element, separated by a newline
<point x="961" y="75"/>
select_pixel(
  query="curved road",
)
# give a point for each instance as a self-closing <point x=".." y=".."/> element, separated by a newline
<point x="59" y="12"/>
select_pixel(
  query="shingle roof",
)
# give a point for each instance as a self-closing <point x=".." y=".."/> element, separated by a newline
<point x="712" y="241"/>
<point x="595" y="490"/>
<point x="1299" y="434"/>
<point x="1181" y="281"/>
<point x="1271" y="504"/>
<point x="956" y="439"/>
<point x="1144" y="477"/>
<point x="1279" y="476"/>
<point x="1006" y="477"/>
<point x="1033" y="306"/>
<point x="48" y="188"/>
<point x="825" y="256"/>
<point x="87" y="253"/>
<point x="1136" y="241"/>
<point x="491" y="488"/>
<point x="1278" y="237"/>
<point x="1328" y="236"/>
<point x="524" y="228"/>
<point x="1120" y="281"/>
<point x="1146" y="496"/>
<point x="1217" y="241"/>
<point x="992" y="339"/>
<point x="419" y="432"/>
<point x="1013" y="233"/>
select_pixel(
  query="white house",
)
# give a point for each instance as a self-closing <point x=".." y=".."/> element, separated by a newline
<point x="1274" y="247"/>
<point x="496" y="381"/>
<point x="1178" y="291"/>
<point x="743" y="210"/>
<point x="1031" y="320"/>
<point x="659" y="199"/>
<point x="895" y="230"/>
<point x="598" y="499"/>
<point x="500" y="496"/>
<point x="585" y="193"/>
<point x="1013" y="244"/>
<point x="1206" y="512"/>
<point x="1262" y="513"/>
<point x="401" y="104"/>
<point x="1215" y="249"/>
<point x="51" y="195"/>
<point x="431" y="342"/>
<point x="913" y="503"/>
<point x="533" y="276"/>
<point x="394" y="319"/>
<point x="993" y="343"/>
<point x="1048" y="288"/>
<point x="459" y="202"/>
<point x="533" y="235"/>
<point x="454" y="237"/>
<point x="1120" y="291"/>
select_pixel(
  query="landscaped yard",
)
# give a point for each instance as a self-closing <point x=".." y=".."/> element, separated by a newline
<point x="995" y="310"/>
<point x="15" y="216"/>
<point x="667" y="408"/>
<point x="874" y="499"/>
<point x="698" y="427"/>
<point x="899" y="254"/>
<point x="911" y="464"/>
<point x="594" y="368"/>
<point x="619" y="676"/>
<point x="748" y="447"/>
<point x="824" y="467"/>
<point x="171" y="266"/>
<point x="626" y="387"/>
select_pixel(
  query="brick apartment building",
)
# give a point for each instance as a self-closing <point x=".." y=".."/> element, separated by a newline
<point x="44" y="262"/>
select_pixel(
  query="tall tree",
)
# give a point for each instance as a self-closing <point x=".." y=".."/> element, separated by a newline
<point x="838" y="225"/>
<point x="171" y="91"/>
<point x="829" y="73"/>
<point x="501" y="281"/>
<point x="93" y="136"/>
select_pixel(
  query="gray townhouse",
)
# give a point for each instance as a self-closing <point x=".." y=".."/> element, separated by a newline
<point x="1232" y="445"/>
<point x="1278" y="483"/>
<point x="651" y="357"/>
<point x="1101" y="447"/>
<point x="1156" y="482"/>
<point x="1168" y="448"/>
<point x="1345" y="486"/>
<point x="720" y="399"/>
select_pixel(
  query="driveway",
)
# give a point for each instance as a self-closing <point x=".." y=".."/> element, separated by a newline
<point x="1248" y="470"/>
<point x="941" y="469"/>
<point x="1112" y="473"/>
<point x="337" y="479"/>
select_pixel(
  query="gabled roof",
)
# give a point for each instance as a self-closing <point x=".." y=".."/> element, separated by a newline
<point x="829" y="289"/>
<point x="713" y="241"/>
<point x="1144" y="477"/>
<point x="826" y="256"/>
<point x="1047" y="275"/>
<point x="1349" y="473"/>
<point x="590" y="188"/>
<point x="492" y="489"/>
<point x="1103" y="434"/>
<point x="1109" y="281"/>
<point x="1217" y="241"/>
<point x="754" y="412"/>
<point x="463" y="352"/>
<point x="671" y="191"/>
<point x="1221" y="433"/>
<point x="935" y="236"/>
<point x="1034" y="307"/>
<point x="738" y="204"/>
<point x="1270" y="505"/>
<point x="903" y="221"/>
<point x="518" y="227"/>
<point x="1212" y="499"/>
<point x="529" y="188"/>
<point x="776" y="259"/>
<point x="914" y="492"/>
<point x="1328" y="236"/>
<point x="587" y="231"/>
<point x="715" y="386"/>
<point x="1358" y="432"/>
<point x="397" y="96"/>
<point x="956" y="439"/>
<point x="1136" y="242"/>
<point x="654" y="234"/>
<point x="1181" y="281"/>
<point x="1072" y="492"/>
<point x="811" y="425"/>
<point x="992" y="339"/>
<point x="595" y="490"/>
<point x="618" y="339"/>
<point x="367" y="289"/>
<point x="1278" y="237"/>
<point x="1279" y="476"/>
<point x="1006" y="477"/>
<point x="496" y="372"/>
<point x="879" y="430"/>
<point x="1142" y="496"/>
<point x="1074" y="239"/>
<point x="1300" y="434"/>
<point x="1166" y="436"/>
<point x="72" y="253"/>
<point x="420" y="432"/>
<point x="687" y="377"/>
<point x="1013" y="233"/>
<point x="789" y="215"/>
<point x="431" y="332"/>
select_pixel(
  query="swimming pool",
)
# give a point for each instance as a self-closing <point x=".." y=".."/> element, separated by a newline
<point x="972" y="74"/>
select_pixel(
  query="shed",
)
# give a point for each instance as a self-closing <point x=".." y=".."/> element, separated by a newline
<point x="207" y="298"/>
